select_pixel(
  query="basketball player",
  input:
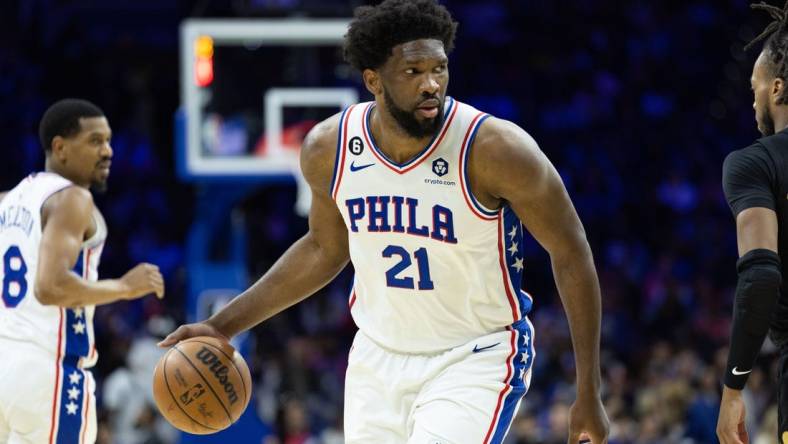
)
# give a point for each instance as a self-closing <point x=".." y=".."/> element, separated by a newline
<point x="755" y="180"/>
<point x="51" y="238"/>
<point x="425" y="195"/>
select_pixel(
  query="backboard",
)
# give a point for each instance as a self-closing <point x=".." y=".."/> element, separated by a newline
<point x="252" y="89"/>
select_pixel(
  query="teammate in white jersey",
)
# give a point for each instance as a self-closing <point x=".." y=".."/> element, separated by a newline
<point x="425" y="196"/>
<point x="51" y="238"/>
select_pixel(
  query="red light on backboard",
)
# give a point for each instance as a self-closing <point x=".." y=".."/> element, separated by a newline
<point x="203" y="61"/>
<point x="203" y="71"/>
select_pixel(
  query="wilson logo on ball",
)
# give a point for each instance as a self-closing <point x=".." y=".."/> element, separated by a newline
<point x="219" y="371"/>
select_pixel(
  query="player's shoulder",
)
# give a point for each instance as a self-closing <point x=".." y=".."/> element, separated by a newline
<point x="322" y="138"/>
<point x="773" y="148"/>
<point x="497" y="130"/>
<point x="318" y="151"/>
<point x="72" y="199"/>
<point x="72" y="203"/>
<point x="755" y="156"/>
<point x="756" y="149"/>
<point x="501" y="141"/>
<point x="777" y="140"/>
<point x="504" y="158"/>
<point x="776" y="147"/>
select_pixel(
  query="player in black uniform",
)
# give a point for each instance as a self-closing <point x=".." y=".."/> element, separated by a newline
<point x="755" y="181"/>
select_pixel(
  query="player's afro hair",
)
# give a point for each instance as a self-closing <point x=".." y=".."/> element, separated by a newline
<point x="375" y="30"/>
<point x="62" y="119"/>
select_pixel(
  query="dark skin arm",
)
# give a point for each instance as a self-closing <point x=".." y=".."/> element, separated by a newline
<point x="506" y="165"/>
<point x="756" y="228"/>
<point x="67" y="220"/>
<point x="307" y="266"/>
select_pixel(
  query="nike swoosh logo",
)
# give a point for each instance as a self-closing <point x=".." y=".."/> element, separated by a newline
<point x="477" y="349"/>
<point x="737" y="373"/>
<point x="353" y="166"/>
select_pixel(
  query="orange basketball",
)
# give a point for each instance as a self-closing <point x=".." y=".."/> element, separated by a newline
<point x="202" y="385"/>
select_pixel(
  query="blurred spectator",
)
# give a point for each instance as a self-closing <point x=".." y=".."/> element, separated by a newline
<point x="128" y="393"/>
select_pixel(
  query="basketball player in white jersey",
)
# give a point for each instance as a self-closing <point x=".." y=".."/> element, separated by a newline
<point x="51" y="238"/>
<point x="425" y="195"/>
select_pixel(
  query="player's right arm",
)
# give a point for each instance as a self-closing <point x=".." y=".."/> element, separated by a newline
<point x="307" y="266"/>
<point x="747" y="181"/>
<point x="67" y="217"/>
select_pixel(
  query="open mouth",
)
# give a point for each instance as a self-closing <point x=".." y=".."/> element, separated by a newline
<point x="428" y="108"/>
<point x="428" y="112"/>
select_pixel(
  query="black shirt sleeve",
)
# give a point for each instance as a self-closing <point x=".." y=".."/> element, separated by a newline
<point x="748" y="178"/>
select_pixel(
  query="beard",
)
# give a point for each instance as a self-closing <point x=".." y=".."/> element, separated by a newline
<point x="99" y="186"/>
<point x="409" y="123"/>
<point x="99" y="182"/>
<point x="766" y="125"/>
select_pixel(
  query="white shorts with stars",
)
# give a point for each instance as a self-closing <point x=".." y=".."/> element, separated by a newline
<point x="468" y="394"/>
<point x="44" y="400"/>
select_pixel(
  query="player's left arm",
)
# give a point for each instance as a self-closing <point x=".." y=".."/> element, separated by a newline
<point x="748" y="178"/>
<point x="507" y="165"/>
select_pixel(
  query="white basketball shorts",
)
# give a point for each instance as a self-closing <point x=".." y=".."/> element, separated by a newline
<point x="44" y="400"/>
<point x="466" y="395"/>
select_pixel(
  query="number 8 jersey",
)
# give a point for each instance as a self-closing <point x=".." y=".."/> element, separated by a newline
<point x="65" y="332"/>
<point x="434" y="268"/>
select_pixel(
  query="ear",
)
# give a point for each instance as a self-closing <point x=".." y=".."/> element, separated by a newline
<point x="59" y="148"/>
<point x="372" y="81"/>
<point x="778" y="87"/>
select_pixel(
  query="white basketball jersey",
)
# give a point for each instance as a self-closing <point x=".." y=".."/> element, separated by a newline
<point x="434" y="268"/>
<point x="67" y="333"/>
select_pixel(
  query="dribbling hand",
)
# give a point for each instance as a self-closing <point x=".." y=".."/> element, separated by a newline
<point x="189" y="331"/>
<point x="588" y="421"/>
<point x="142" y="280"/>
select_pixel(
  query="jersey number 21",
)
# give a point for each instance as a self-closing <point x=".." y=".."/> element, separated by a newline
<point x="422" y="260"/>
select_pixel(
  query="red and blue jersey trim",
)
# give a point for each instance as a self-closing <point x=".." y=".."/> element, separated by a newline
<point x="70" y="401"/>
<point x="518" y="373"/>
<point x="76" y="329"/>
<point x="339" y="160"/>
<point x="470" y="199"/>
<point x="74" y="405"/>
<point x="352" y="294"/>
<point x="448" y="117"/>
<point x="56" y="394"/>
<point x="511" y="253"/>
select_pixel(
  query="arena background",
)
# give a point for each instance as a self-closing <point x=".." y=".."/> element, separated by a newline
<point x="636" y="103"/>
